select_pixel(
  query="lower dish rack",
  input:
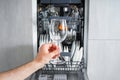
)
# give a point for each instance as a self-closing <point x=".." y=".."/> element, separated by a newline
<point x="69" y="67"/>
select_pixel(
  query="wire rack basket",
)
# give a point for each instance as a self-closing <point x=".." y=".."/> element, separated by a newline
<point x="69" y="67"/>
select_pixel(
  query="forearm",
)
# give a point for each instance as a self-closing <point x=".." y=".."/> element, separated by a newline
<point x="21" y="72"/>
<point x="45" y="54"/>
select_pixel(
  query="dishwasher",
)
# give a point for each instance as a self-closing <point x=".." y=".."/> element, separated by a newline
<point x="73" y="47"/>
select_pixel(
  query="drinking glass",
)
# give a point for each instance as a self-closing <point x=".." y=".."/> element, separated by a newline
<point x="58" y="32"/>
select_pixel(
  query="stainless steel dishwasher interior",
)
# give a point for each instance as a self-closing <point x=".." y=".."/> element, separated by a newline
<point x="74" y="47"/>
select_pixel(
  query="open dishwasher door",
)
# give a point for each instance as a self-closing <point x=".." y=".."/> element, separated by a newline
<point x="73" y="47"/>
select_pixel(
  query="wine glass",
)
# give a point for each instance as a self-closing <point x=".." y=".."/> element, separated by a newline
<point x="58" y="32"/>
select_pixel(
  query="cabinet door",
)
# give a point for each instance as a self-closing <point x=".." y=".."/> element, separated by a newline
<point x="104" y="19"/>
<point x="104" y="60"/>
<point x="104" y="40"/>
<point x="16" y="45"/>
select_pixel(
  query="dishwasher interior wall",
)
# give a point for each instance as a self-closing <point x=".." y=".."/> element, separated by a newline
<point x="73" y="47"/>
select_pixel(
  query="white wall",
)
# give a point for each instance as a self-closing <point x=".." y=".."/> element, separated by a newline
<point x="16" y="46"/>
<point x="104" y="40"/>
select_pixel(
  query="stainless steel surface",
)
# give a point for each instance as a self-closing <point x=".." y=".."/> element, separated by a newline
<point x="34" y="26"/>
<point x="86" y="31"/>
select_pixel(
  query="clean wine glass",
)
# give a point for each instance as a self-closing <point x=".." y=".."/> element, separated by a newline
<point x="58" y="32"/>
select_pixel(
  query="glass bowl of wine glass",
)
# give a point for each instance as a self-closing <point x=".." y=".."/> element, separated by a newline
<point x="58" y="32"/>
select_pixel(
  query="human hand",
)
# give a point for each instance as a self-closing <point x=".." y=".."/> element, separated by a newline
<point x="47" y="52"/>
